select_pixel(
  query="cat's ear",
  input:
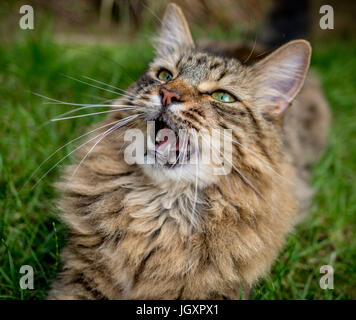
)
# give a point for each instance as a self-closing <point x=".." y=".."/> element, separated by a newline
<point x="279" y="77"/>
<point x="175" y="32"/>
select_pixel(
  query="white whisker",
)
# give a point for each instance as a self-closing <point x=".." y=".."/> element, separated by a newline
<point x="152" y="12"/>
<point x="102" y="99"/>
<point x="55" y="101"/>
<point x="182" y="155"/>
<point x="247" y="181"/>
<point x="243" y="177"/>
<point x="196" y="177"/>
<point x="261" y="159"/>
<point x="94" y="86"/>
<point x="68" y="143"/>
<point x="66" y="156"/>
<point x="109" y="85"/>
<point x="88" y="107"/>
<point x="107" y="132"/>
<point x="88" y="104"/>
<point x="90" y="114"/>
<point x="179" y="156"/>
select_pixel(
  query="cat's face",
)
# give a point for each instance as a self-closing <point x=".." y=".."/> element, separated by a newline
<point x="193" y="91"/>
<point x="188" y="89"/>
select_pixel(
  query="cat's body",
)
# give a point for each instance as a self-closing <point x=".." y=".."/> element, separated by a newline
<point x="131" y="230"/>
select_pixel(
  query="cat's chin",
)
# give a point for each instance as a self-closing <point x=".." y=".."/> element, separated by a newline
<point x="187" y="174"/>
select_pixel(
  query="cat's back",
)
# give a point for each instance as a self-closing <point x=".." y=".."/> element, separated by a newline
<point x="306" y="124"/>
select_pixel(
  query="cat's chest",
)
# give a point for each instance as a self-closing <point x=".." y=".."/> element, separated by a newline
<point x="177" y="237"/>
<point x="181" y="210"/>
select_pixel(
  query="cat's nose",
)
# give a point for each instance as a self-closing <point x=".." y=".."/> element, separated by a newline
<point x="168" y="96"/>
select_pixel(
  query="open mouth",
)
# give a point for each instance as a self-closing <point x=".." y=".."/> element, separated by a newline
<point x="171" y="149"/>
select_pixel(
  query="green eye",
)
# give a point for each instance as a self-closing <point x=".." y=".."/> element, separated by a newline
<point x="223" y="96"/>
<point x="164" y="75"/>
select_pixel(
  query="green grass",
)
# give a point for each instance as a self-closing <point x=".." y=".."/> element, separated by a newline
<point x="27" y="220"/>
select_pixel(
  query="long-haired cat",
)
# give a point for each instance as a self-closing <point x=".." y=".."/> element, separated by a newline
<point x="179" y="231"/>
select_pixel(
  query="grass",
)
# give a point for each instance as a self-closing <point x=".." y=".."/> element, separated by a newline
<point x="30" y="234"/>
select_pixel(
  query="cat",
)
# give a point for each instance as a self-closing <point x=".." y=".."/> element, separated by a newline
<point x="152" y="231"/>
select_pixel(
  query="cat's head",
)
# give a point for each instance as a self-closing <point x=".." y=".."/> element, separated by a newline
<point x="187" y="88"/>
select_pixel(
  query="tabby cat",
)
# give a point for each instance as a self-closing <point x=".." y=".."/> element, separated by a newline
<point x="152" y="231"/>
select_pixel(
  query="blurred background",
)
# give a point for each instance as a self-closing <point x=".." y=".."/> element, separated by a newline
<point x="113" y="20"/>
<point x="80" y="49"/>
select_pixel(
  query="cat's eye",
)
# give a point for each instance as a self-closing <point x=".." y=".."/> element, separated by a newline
<point x="223" y="96"/>
<point x="164" y="75"/>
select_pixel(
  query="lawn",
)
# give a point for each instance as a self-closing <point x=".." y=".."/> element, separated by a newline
<point x="31" y="234"/>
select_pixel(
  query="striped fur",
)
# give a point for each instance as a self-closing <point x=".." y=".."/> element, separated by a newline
<point x="131" y="232"/>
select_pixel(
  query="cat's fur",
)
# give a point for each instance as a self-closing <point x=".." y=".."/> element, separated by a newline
<point x="131" y="230"/>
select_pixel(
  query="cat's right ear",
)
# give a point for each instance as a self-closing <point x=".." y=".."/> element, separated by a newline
<point x="175" y="33"/>
<point x="279" y="77"/>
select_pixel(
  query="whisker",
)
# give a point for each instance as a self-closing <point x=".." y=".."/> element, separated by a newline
<point x="90" y="114"/>
<point x="85" y="106"/>
<point x="196" y="177"/>
<point x="68" y="143"/>
<point x="94" y="86"/>
<point x="192" y="218"/>
<point x="152" y="12"/>
<point x="129" y="125"/>
<point x="179" y="155"/>
<point x="66" y="156"/>
<point x="260" y="158"/>
<point x="211" y="145"/>
<point x="103" y="99"/>
<point x="55" y="101"/>
<point x="249" y="183"/>
<point x="110" y="130"/>
<point x="109" y="85"/>
<point x="243" y="177"/>
<point x="182" y="155"/>
<point x="88" y="107"/>
<point x="102" y="56"/>
<point x="252" y="50"/>
<point x="88" y="104"/>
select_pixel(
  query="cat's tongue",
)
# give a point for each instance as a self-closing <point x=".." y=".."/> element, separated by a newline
<point x="165" y="145"/>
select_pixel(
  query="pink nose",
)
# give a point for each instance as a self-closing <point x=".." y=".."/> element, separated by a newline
<point x="168" y="97"/>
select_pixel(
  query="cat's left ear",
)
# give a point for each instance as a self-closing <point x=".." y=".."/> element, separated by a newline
<point x="175" y="32"/>
<point x="279" y="77"/>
